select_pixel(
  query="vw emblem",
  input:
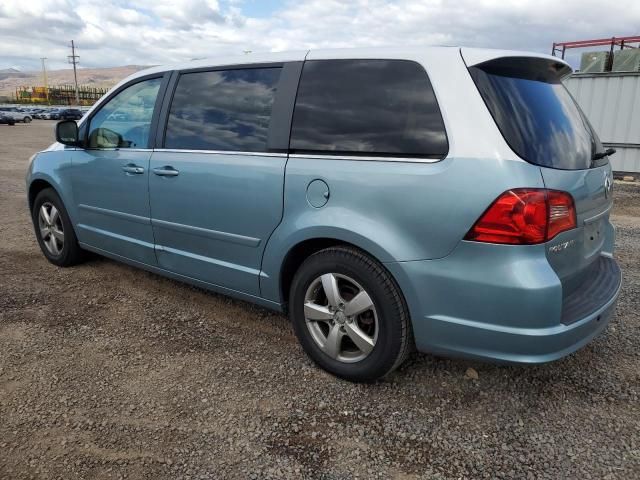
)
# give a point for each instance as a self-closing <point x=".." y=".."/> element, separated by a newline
<point x="608" y="185"/>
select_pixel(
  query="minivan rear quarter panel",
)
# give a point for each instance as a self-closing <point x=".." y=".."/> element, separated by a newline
<point x="400" y="209"/>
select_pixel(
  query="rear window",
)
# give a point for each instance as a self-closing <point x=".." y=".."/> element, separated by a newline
<point x="535" y="113"/>
<point x="367" y="107"/>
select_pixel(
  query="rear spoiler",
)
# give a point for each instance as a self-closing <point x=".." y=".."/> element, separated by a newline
<point x="476" y="56"/>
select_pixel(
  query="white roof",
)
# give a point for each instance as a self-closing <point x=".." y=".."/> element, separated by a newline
<point x="472" y="56"/>
<point x="443" y="54"/>
<point x="258" y="57"/>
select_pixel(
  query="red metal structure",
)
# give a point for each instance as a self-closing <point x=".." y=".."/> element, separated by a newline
<point x="622" y="42"/>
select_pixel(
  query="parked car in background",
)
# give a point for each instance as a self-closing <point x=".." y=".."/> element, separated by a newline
<point x="51" y="114"/>
<point x="6" y="119"/>
<point x="453" y="199"/>
<point x="70" y="114"/>
<point x="16" y="114"/>
<point x="46" y="113"/>
<point x="37" y="112"/>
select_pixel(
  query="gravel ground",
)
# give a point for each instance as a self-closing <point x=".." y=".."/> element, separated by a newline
<point x="111" y="372"/>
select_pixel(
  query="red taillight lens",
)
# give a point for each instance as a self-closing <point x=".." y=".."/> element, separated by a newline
<point x="525" y="216"/>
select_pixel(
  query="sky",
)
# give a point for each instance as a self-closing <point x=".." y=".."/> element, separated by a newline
<point x="150" y="32"/>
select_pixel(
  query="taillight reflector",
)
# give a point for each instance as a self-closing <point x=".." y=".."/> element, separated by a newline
<point x="525" y="216"/>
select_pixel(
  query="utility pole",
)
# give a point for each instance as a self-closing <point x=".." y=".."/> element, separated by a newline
<point x="44" y="78"/>
<point x="74" y="59"/>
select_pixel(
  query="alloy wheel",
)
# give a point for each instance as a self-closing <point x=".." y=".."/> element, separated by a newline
<point x="51" y="228"/>
<point x="341" y="317"/>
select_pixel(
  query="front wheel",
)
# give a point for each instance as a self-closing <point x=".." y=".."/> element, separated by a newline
<point x="349" y="315"/>
<point x="26" y="119"/>
<point x="54" y="230"/>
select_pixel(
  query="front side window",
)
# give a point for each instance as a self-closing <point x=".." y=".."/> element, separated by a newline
<point x="125" y="120"/>
<point x="222" y="110"/>
<point x="367" y="107"/>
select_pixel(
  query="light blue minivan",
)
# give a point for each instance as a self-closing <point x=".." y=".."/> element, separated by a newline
<point x="453" y="200"/>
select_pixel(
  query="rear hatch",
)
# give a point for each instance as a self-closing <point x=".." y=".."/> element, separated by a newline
<point x="543" y="125"/>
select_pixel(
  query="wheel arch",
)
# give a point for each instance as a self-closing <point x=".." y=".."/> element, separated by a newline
<point x="292" y="242"/>
<point x="302" y="250"/>
<point x="35" y="187"/>
<point x="296" y="255"/>
<point x="41" y="183"/>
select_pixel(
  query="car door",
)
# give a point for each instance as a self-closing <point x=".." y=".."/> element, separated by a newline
<point x="110" y="175"/>
<point x="216" y="187"/>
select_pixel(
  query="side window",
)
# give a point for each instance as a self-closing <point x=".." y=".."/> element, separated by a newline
<point x="367" y="107"/>
<point x="222" y="110"/>
<point x="125" y="120"/>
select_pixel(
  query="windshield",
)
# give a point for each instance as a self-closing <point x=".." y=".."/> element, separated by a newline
<point x="535" y="113"/>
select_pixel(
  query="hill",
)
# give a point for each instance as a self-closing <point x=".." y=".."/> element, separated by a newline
<point x="10" y="78"/>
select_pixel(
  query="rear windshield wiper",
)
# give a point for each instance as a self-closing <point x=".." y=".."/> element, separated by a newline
<point x="606" y="153"/>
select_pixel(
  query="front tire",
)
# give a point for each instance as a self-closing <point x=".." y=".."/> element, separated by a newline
<point x="349" y="314"/>
<point x="54" y="230"/>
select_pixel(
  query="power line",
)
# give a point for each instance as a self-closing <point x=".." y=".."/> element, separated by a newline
<point x="74" y="59"/>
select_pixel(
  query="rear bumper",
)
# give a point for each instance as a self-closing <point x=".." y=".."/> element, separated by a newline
<point x="478" y="304"/>
<point x="600" y="284"/>
<point x="454" y="337"/>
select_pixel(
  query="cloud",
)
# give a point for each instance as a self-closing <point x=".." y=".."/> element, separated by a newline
<point x="119" y="32"/>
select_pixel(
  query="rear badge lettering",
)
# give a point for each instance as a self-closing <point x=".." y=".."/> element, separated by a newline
<point x="562" y="246"/>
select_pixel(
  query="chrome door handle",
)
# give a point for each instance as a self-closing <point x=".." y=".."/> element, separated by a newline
<point x="167" y="171"/>
<point x="132" y="168"/>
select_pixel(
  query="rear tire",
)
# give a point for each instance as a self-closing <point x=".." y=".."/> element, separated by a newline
<point x="54" y="230"/>
<point x="349" y="314"/>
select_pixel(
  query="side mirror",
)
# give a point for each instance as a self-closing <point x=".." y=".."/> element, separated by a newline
<point x="67" y="133"/>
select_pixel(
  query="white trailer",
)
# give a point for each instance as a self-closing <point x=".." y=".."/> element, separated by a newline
<point x="611" y="100"/>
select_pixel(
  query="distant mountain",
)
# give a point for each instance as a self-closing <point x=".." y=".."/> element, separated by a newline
<point x="11" y="72"/>
<point x="11" y="78"/>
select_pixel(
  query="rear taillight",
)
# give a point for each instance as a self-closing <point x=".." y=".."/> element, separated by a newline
<point x="525" y="216"/>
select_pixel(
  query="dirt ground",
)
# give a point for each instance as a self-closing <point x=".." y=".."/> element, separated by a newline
<point x="111" y="372"/>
